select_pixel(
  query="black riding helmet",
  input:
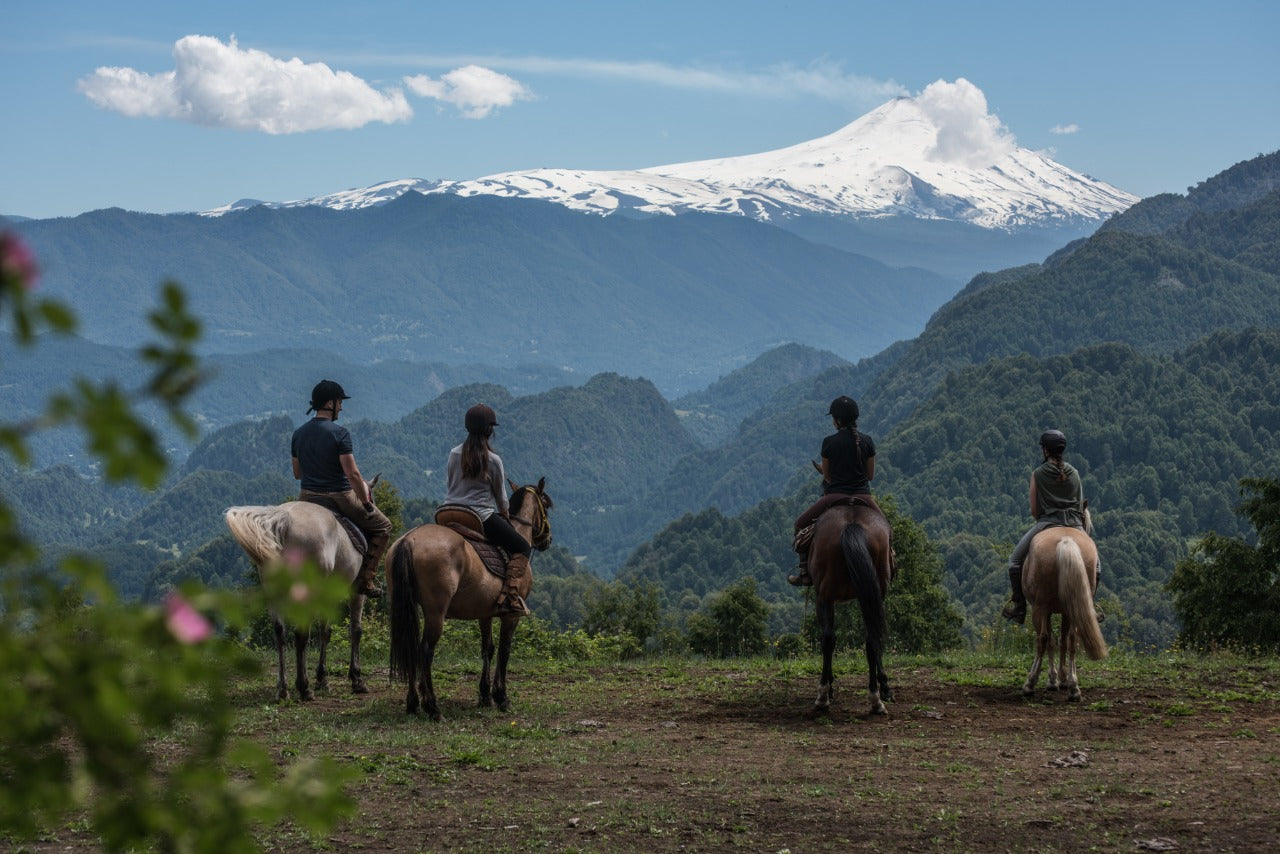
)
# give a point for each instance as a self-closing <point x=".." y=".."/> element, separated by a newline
<point x="844" y="409"/>
<point x="325" y="391"/>
<point x="1053" y="441"/>
<point x="481" y="420"/>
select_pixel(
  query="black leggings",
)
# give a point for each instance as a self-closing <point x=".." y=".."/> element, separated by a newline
<point x="500" y="533"/>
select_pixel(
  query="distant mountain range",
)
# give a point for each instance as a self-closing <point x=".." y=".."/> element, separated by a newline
<point x="897" y="185"/>
<point x="503" y="282"/>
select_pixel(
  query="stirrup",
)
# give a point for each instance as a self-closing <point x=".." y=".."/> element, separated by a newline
<point x="801" y="579"/>
<point x="369" y="590"/>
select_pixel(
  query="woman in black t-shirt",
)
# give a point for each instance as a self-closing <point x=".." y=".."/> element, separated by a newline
<point x="848" y="466"/>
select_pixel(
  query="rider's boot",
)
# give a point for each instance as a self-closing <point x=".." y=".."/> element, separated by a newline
<point x="801" y="577"/>
<point x="1017" y="609"/>
<point x="509" y="600"/>
<point x="366" y="581"/>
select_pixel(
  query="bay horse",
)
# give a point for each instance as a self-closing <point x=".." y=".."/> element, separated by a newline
<point x="274" y="535"/>
<point x="1059" y="577"/>
<point x="849" y="559"/>
<point x="435" y="568"/>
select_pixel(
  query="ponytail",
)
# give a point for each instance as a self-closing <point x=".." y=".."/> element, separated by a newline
<point x="475" y="457"/>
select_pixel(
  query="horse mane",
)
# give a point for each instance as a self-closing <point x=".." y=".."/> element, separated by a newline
<point x="517" y="499"/>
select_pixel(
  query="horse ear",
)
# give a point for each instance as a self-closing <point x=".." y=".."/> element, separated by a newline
<point x="511" y="483"/>
<point x="542" y="482"/>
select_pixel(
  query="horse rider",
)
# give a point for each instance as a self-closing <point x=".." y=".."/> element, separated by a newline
<point x="324" y="462"/>
<point x="848" y="466"/>
<point x="1057" y="500"/>
<point x="476" y="479"/>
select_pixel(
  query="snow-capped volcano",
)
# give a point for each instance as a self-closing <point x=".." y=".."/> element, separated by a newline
<point x="939" y="155"/>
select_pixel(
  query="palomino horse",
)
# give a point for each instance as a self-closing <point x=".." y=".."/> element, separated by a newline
<point x="436" y="568"/>
<point x="850" y="559"/>
<point x="267" y="533"/>
<point x="1058" y="577"/>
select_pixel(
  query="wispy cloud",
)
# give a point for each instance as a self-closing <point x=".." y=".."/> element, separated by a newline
<point x="476" y="91"/>
<point x="1065" y="130"/>
<point x="822" y="79"/>
<point x="223" y="85"/>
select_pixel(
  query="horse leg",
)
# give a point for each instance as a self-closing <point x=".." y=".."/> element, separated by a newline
<point x="486" y="660"/>
<point x="826" y="614"/>
<point x="300" y="638"/>
<point x="1043" y="634"/>
<point x="875" y="673"/>
<point x="322" y="664"/>
<point x="506" y="633"/>
<point x="282" y="688"/>
<point x="1069" y="676"/>
<point x="356" y="617"/>
<point x="430" y="637"/>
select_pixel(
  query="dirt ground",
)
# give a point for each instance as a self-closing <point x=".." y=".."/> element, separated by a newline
<point x="712" y="757"/>
<point x="666" y="759"/>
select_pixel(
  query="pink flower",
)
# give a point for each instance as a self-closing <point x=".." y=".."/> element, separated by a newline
<point x="299" y="592"/>
<point x="17" y="261"/>
<point x="294" y="557"/>
<point x="185" y="623"/>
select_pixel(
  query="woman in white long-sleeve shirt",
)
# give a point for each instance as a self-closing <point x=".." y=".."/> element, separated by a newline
<point x="476" y="479"/>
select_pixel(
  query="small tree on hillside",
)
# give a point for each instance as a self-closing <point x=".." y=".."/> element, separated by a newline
<point x="733" y="624"/>
<point x="1227" y="592"/>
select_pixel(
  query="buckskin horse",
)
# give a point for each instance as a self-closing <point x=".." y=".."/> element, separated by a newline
<point x="1058" y="577"/>
<point x="849" y="559"/>
<point x="435" y="568"/>
<point x="273" y="535"/>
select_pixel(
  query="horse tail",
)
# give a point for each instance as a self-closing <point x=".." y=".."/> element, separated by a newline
<point x="406" y="628"/>
<point x="862" y="572"/>
<point x="260" y="531"/>
<point x="1077" y="598"/>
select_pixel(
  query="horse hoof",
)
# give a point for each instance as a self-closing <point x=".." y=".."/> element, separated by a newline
<point x="359" y="688"/>
<point x="307" y="696"/>
<point x="504" y="706"/>
<point x="879" y="709"/>
<point x="435" y="716"/>
<point x="1027" y="692"/>
<point x="1073" y="697"/>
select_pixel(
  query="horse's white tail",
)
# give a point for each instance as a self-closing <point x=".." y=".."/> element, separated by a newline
<point x="1077" y="598"/>
<point x="260" y="531"/>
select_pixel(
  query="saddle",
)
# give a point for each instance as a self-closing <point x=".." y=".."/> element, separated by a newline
<point x="357" y="537"/>
<point x="468" y="523"/>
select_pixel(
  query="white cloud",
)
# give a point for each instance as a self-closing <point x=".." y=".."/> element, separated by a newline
<point x="1063" y="130"/>
<point x="968" y="135"/>
<point x="223" y="85"/>
<point x="474" y="90"/>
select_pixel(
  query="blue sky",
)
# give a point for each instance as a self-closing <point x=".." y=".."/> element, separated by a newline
<point x="186" y="106"/>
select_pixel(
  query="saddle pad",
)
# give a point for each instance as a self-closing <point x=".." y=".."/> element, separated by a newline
<point x="493" y="558"/>
<point x="357" y="537"/>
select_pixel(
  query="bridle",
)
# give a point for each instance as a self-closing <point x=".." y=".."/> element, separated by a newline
<point x="540" y="524"/>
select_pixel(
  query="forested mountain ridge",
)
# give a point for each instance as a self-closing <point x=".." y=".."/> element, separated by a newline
<point x="1236" y="187"/>
<point x="1156" y="292"/>
<point x="486" y="280"/>
<point x="714" y="413"/>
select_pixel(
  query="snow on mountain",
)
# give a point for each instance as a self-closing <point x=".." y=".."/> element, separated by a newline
<point x="939" y="155"/>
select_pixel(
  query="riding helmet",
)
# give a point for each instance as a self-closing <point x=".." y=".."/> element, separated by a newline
<point x="325" y="391"/>
<point x="481" y="419"/>
<point x="844" y="409"/>
<point x="1053" y="440"/>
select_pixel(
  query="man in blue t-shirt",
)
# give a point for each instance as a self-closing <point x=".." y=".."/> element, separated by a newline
<point x="324" y="462"/>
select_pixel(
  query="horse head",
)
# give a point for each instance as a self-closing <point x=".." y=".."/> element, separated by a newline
<point x="538" y="518"/>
